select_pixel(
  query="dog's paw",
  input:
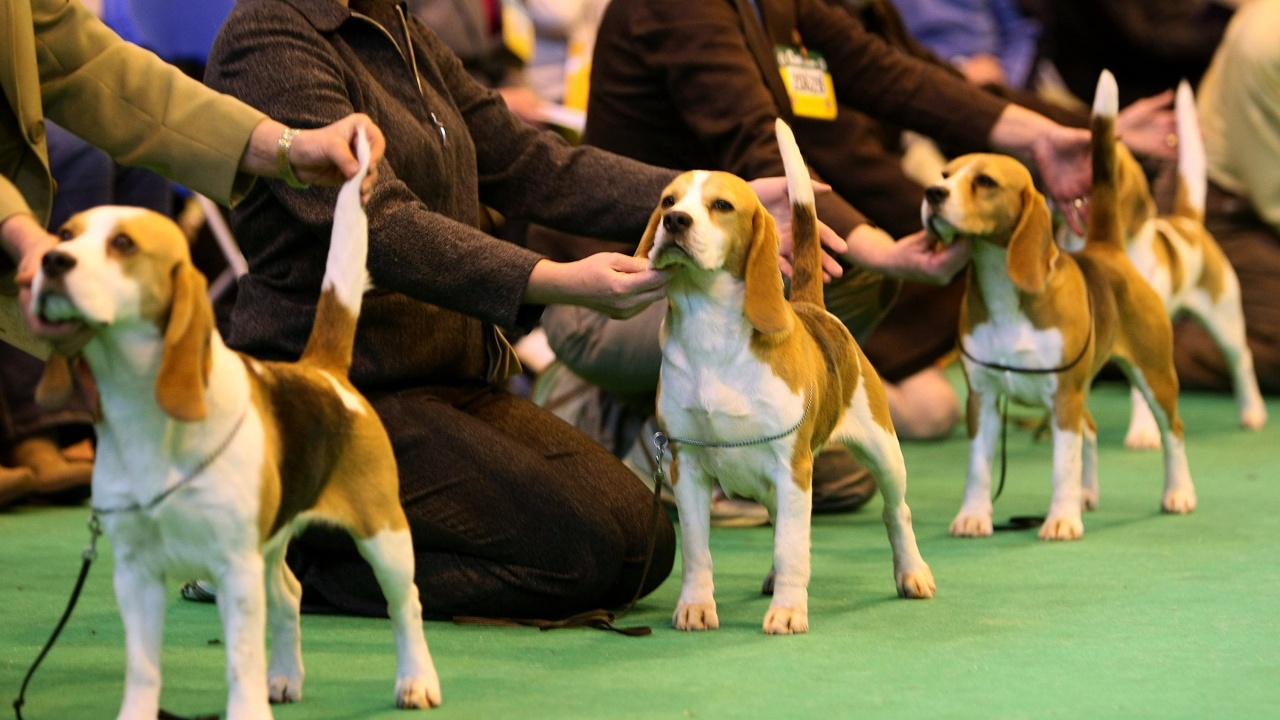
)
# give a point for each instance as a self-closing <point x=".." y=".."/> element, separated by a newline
<point x="1253" y="418"/>
<point x="786" y="620"/>
<point x="1060" y="527"/>
<point x="695" y="616"/>
<point x="1179" y="501"/>
<point x="1089" y="499"/>
<point x="1142" y="439"/>
<point x="972" y="525"/>
<point x="284" y="688"/>
<point x="916" y="584"/>
<point x="421" y="692"/>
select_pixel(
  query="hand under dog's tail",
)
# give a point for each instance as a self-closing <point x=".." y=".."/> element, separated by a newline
<point x="806" y="278"/>
<point x="1192" y="165"/>
<point x="346" y="275"/>
<point x="1104" y="197"/>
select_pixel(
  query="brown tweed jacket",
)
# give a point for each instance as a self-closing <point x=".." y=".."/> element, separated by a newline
<point x="443" y="285"/>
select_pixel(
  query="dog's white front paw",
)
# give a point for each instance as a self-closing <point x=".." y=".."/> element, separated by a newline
<point x="786" y="620"/>
<point x="969" y="524"/>
<point x="1142" y="438"/>
<point x="695" y="616"/>
<point x="1062" y="527"/>
<point x="421" y="692"/>
<point x="284" y="688"/>
<point x="917" y="583"/>
<point x="1179" y="501"/>
<point x="1254" y="418"/>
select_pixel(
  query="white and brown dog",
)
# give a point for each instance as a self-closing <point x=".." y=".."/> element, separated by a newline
<point x="209" y="460"/>
<point x="1182" y="261"/>
<point x="1037" y="323"/>
<point x="752" y="385"/>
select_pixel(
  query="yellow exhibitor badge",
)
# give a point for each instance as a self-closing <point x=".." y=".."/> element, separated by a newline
<point x="813" y="94"/>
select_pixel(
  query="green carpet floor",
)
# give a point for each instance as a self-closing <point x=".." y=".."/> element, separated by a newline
<point x="1148" y="616"/>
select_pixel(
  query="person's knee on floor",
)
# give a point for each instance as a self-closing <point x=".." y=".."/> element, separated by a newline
<point x="924" y="406"/>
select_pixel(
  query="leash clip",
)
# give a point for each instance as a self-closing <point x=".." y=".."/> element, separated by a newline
<point x="95" y="531"/>
<point x="659" y="444"/>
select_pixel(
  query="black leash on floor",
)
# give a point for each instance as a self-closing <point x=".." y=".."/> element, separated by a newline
<point x="88" y="556"/>
<point x="600" y="618"/>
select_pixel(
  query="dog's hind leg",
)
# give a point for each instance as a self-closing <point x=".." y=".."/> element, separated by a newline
<point x="1144" y="433"/>
<point x="284" y="599"/>
<point x="789" y="611"/>
<point x="1089" y="464"/>
<point x="1159" y="385"/>
<point x="390" y="552"/>
<point x="872" y="441"/>
<point x="1224" y="319"/>
<point x="242" y="607"/>
<point x="141" y="597"/>
<point x="696" y="608"/>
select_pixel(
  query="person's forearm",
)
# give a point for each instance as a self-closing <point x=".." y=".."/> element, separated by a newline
<point x="260" y="155"/>
<point x="546" y="284"/>
<point x="1016" y="130"/>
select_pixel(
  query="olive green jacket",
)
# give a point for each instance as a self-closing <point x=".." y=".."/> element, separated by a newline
<point x="59" y="61"/>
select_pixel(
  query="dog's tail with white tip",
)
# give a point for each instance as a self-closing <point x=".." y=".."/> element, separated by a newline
<point x="346" y="276"/>
<point x="1104" y="197"/>
<point x="806" y="277"/>
<point x="1192" y="165"/>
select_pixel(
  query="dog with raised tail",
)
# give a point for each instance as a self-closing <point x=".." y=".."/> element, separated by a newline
<point x="1178" y="257"/>
<point x="752" y="385"/>
<point x="209" y="460"/>
<point x="1037" y="323"/>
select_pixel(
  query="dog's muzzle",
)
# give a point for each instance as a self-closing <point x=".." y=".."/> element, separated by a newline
<point x="934" y="197"/>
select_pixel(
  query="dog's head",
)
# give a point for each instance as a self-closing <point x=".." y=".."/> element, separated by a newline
<point x="710" y="222"/>
<point x="121" y="266"/>
<point x="992" y="198"/>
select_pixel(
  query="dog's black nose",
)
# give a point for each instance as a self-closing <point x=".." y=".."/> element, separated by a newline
<point x="936" y="194"/>
<point x="56" y="264"/>
<point x="677" y="221"/>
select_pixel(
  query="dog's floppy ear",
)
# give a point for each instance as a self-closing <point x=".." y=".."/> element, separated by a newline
<point x="53" y="392"/>
<point x="646" y="242"/>
<point x="1031" y="247"/>
<point x="187" y="361"/>
<point x="765" y="306"/>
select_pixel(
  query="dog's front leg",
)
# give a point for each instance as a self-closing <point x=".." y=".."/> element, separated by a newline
<point x="974" y="518"/>
<point x="141" y="597"/>
<point x="696" y="609"/>
<point x="1063" y="521"/>
<point x="789" y="612"/>
<point x="242" y="606"/>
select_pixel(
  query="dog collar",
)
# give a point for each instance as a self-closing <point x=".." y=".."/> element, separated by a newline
<point x="744" y="443"/>
<point x="186" y="479"/>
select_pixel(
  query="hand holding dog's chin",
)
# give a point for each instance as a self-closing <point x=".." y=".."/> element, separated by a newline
<point x="915" y="257"/>
<point x="617" y="285"/>
<point x="27" y="241"/>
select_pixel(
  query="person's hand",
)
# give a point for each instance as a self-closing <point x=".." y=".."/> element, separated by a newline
<point x="915" y="257"/>
<point x="1149" y="127"/>
<point x="524" y="103"/>
<point x="1063" y="157"/>
<point x="323" y="156"/>
<point x="772" y="192"/>
<point x="29" y="242"/>
<point x="617" y="285"/>
<point x="983" y="69"/>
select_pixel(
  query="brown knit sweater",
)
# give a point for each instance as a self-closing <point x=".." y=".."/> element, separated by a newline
<point x="442" y="284"/>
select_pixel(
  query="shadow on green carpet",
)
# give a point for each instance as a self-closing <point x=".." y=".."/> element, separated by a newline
<point x="1148" y="616"/>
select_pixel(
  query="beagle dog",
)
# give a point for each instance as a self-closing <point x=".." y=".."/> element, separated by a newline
<point x="209" y="460"/>
<point x="752" y="385"/>
<point x="1181" y="260"/>
<point x="1037" y="323"/>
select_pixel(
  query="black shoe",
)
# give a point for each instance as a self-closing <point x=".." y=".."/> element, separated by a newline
<point x="840" y="484"/>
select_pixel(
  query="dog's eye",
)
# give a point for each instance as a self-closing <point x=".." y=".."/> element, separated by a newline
<point x="123" y="244"/>
<point x="65" y="234"/>
<point x="946" y="174"/>
<point x="985" y="181"/>
<point x="668" y="201"/>
<point x="722" y="206"/>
